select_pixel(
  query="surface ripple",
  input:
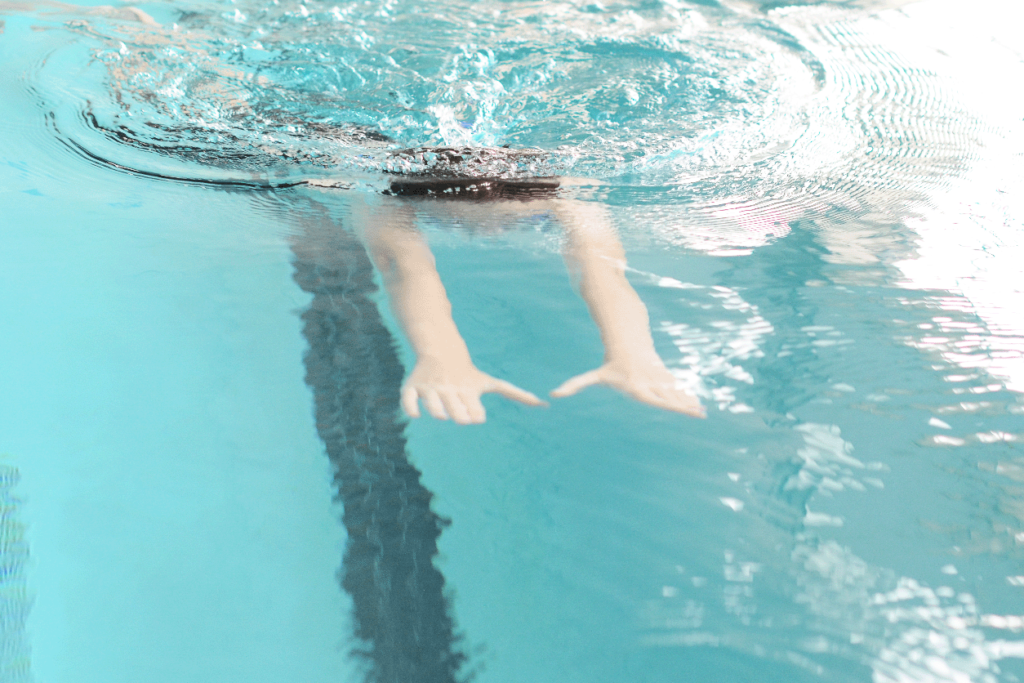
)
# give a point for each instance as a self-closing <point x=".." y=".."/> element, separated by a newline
<point x="647" y="95"/>
<point x="757" y="115"/>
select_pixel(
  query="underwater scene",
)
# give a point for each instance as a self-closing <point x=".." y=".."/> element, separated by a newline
<point x="724" y="382"/>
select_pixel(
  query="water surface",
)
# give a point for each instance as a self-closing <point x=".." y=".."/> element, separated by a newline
<point x="821" y="208"/>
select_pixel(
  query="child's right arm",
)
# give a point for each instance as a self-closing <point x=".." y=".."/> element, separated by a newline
<point x="444" y="376"/>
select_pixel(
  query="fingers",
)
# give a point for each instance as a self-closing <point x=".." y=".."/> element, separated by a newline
<point x="690" y="405"/>
<point x="459" y="401"/>
<point x="576" y="384"/>
<point x="410" y="401"/>
<point x="656" y="394"/>
<point x="435" y="406"/>
<point x="509" y="390"/>
<point x="477" y="414"/>
<point x="463" y="407"/>
<point x="675" y="400"/>
<point x="455" y="407"/>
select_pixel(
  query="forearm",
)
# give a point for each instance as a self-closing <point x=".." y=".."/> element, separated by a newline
<point x="594" y="253"/>
<point x="421" y="304"/>
<point x="418" y="297"/>
<point x="616" y="309"/>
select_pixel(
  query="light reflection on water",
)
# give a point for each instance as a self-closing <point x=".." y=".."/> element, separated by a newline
<point x="856" y="192"/>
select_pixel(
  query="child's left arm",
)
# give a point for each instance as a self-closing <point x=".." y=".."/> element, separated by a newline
<point x="631" y="364"/>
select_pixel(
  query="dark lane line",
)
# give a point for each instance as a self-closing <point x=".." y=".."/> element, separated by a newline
<point x="401" y="614"/>
<point x="15" y="663"/>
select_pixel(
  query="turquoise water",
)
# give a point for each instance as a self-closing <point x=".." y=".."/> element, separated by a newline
<point x="821" y="208"/>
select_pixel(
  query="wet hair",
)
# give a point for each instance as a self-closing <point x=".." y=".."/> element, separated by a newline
<point x="473" y="188"/>
<point x="470" y="173"/>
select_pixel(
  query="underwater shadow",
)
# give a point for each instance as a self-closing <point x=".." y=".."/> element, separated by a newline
<point x="400" y="614"/>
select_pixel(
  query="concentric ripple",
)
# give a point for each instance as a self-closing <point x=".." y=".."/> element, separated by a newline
<point x="753" y="116"/>
<point x="650" y="94"/>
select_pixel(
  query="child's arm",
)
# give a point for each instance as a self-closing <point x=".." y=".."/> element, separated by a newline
<point x="444" y="375"/>
<point x="631" y="364"/>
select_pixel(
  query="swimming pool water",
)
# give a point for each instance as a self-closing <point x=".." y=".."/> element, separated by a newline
<point x="824" y="223"/>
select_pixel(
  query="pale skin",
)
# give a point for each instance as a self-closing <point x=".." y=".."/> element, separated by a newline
<point x="444" y="376"/>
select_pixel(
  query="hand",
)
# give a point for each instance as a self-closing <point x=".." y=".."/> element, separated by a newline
<point x="454" y="390"/>
<point x="649" y="382"/>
